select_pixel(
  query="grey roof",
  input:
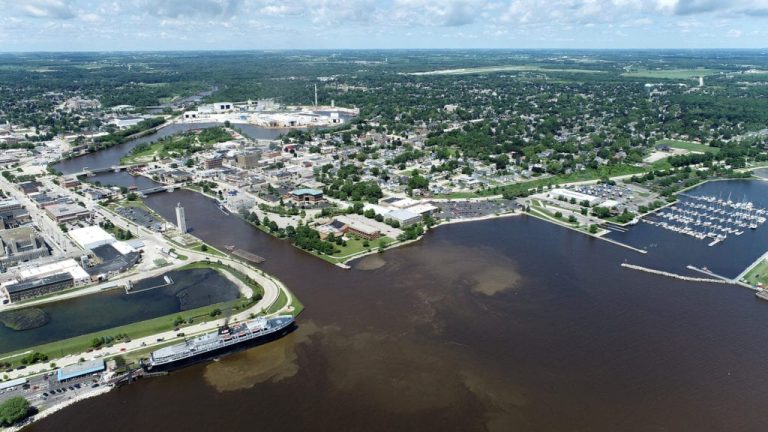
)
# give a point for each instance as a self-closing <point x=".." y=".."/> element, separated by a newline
<point x="35" y="283"/>
<point x="403" y="214"/>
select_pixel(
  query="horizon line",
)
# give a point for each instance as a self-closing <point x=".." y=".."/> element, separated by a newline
<point x="371" y="49"/>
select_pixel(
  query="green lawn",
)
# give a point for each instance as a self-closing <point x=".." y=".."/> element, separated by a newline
<point x="689" y="145"/>
<point x="211" y="250"/>
<point x="355" y="245"/>
<point x="538" y="211"/>
<point x="670" y="73"/>
<point x="142" y="156"/>
<point x="661" y="165"/>
<point x="758" y="275"/>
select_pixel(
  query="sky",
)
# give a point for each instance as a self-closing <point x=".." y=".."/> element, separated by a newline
<point x="157" y="25"/>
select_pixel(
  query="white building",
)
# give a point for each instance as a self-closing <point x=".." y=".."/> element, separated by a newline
<point x="126" y="122"/>
<point x="91" y="237"/>
<point x="404" y="217"/>
<point x="578" y="196"/>
<point x="70" y="266"/>
<point x="223" y="106"/>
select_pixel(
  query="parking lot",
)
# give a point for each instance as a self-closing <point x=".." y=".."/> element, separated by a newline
<point x="141" y="217"/>
<point x="473" y="209"/>
<point x="45" y="390"/>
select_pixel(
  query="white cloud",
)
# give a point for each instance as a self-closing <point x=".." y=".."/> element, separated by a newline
<point x="192" y="8"/>
<point x="51" y="9"/>
<point x="395" y="23"/>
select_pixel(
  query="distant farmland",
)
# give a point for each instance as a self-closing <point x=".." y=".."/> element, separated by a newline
<point x="493" y="69"/>
<point x="671" y="73"/>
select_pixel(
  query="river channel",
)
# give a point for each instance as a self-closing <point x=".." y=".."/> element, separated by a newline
<point x="504" y="325"/>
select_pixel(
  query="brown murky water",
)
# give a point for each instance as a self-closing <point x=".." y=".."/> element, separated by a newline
<point x="503" y="326"/>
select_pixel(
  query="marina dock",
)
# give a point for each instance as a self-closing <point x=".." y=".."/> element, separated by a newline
<point x="709" y="217"/>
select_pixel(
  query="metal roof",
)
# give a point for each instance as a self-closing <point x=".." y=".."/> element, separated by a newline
<point x="313" y="192"/>
<point x="80" y="369"/>
<point x="12" y="383"/>
<point x="35" y="283"/>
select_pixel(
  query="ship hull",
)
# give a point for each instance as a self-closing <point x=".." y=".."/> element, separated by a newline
<point x="218" y="352"/>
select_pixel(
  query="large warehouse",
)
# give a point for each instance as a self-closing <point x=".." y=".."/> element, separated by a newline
<point x="37" y="287"/>
<point x="91" y="237"/>
<point x="568" y="194"/>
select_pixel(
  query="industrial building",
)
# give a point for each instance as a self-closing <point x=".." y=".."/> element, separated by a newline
<point x="404" y="217"/>
<point x="12" y="213"/>
<point x="223" y="106"/>
<point x="126" y="122"/>
<point x="115" y="259"/>
<point x="29" y="187"/>
<point x="91" y="237"/>
<point x="20" y="245"/>
<point x="38" y="287"/>
<point x="61" y="213"/>
<point x="69" y="265"/>
<point x="568" y="195"/>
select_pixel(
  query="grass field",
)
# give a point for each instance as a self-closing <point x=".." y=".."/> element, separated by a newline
<point x="688" y="145"/>
<point x="758" y="275"/>
<point x="493" y="69"/>
<point x="671" y="73"/>
<point x="211" y="250"/>
<point x="142" y="156"/>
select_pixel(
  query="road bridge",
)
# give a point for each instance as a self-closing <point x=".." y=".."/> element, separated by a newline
<point x="90" y="172"/>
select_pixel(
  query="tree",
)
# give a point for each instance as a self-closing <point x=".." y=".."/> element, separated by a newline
<point x="601" y="212"/>
<point x="14" y="410"/>
<point x="417" y="182"/>
<point x="593" y="229"/>
<point x="204" y="248"/>
<point x="132" y="196"/>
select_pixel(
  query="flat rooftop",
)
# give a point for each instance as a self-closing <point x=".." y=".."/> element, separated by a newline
<point x="80" y="369"/>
